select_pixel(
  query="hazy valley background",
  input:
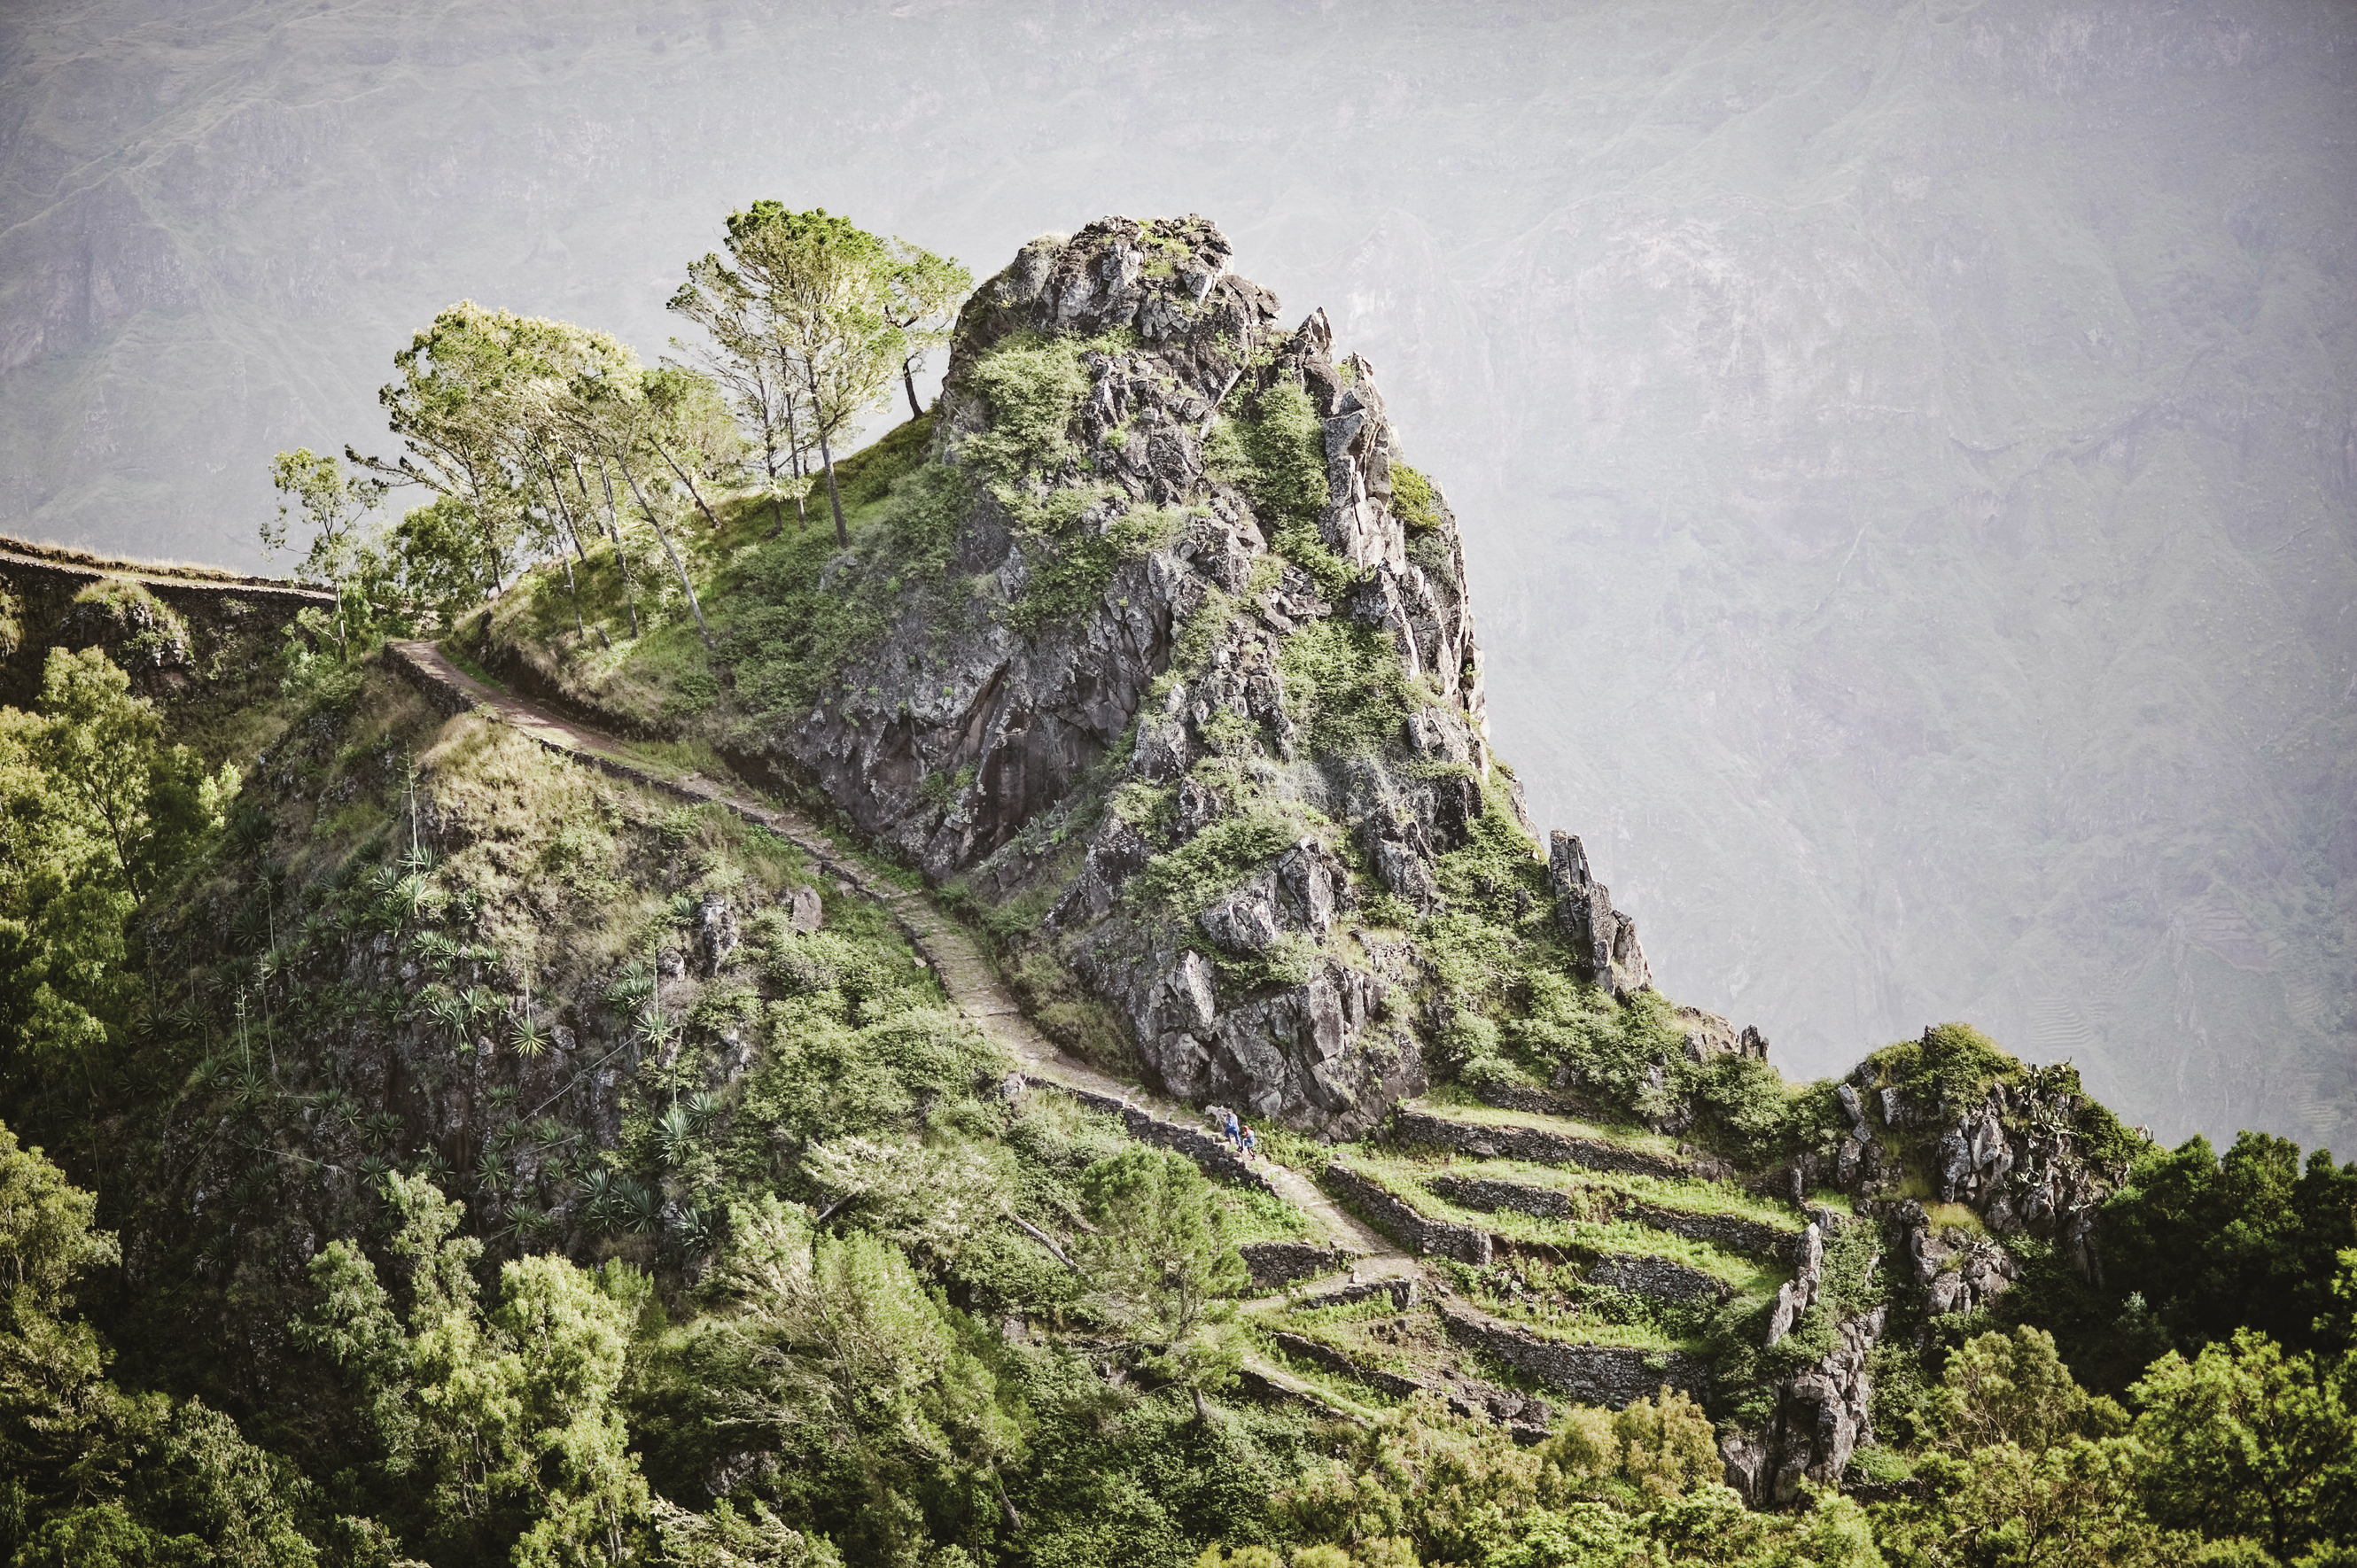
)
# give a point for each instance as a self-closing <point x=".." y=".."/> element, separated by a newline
<point x="1907" y="451"/>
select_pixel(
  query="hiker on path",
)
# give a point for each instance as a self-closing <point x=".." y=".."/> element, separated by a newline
<point x="1228" y="1126"/>
<point x="1252" y="1144"/>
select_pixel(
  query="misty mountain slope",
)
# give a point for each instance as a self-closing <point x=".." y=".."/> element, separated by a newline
<point x="1906" y="452"/>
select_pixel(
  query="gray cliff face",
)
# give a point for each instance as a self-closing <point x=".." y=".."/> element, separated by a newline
<point x="1062" y="760"/>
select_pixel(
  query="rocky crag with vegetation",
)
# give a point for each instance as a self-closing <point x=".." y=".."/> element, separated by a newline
<point x="504" y="1158"/>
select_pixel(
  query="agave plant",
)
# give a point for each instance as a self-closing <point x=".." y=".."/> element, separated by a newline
<point x="481" y="1003"/>
<point x="532" y="1222"/>
<point x="492" y="1173"/>
<point x="697" y="1230"/>
<point x="448" y="1015"/>
<point x="434" y="1167"/>
<point x="251" y="1088"/>
<point x="640" y="1205"/>
<point x="599" y="1200"/>
<point x="208" y="1074"/>
<point x="502" y="1094"/>
<point x="188" y="1021"/>
<point x="382" y="1127"/>
<point x="528" y="1036"/>
<point x="675" y="1135"/>
<point x="413" y="896"/>
<point x="702" y="1110"/>
<point x="548" y="1132"/>
<point x="435" y="948"/>
<point x="373" y="1169"/>
<point x="631" y="987"/>
<point x="656" y="1028"/>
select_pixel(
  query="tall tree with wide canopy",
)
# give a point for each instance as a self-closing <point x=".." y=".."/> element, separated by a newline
<point x="634" y="419"/>
<point x="1162" y="1271"/>
<point x="756" y="384"/>
<point x="453" y="410"/>
<point x="814" y="294"/>
<point x="922" y="295"/>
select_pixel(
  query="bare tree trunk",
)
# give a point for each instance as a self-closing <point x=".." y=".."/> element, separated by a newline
<point x="909" y="381"/>
<point x="1013" y="1519"/>
<point x="770" y="467"/>
<point x="1201" y="1414"/>
<point x="676" y="564"/>
<point x="490" y="537"/>
<point x="834" y="496"/>
<point x="1044" y="1240"/>
<point x="794" y="451"/>
<point x="683" y="479"/>
<point x="614" y="531"/>
<point x="564" y="515"/>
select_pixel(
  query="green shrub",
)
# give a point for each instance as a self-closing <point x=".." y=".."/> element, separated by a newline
<point x="1344" y="685"/>
<point x="1414" y="500"/>
<point x="1069" y="573"/>
<point x="1950" y="1067"/>
<point x="1182" y="881"/>
<point x="1035" y="386"/>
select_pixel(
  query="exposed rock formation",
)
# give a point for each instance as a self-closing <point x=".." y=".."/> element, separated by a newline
<point x="1069" y="756"/>
<point x="1709" y="1035"/>
<point x="1605" y="939"/>
<point x="1823" y="1415"/>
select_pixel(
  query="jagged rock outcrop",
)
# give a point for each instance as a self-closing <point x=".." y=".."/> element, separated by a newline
<point x="1823" y="1415"/>
<point x="1959" y="1272"/>
<point x="1605" y="939"/>
<point x="1707" y="1035"/>
<point x="2013" y="1156"/>
<point x="1067" y="754"/>
<point x="1824" y="1411"/>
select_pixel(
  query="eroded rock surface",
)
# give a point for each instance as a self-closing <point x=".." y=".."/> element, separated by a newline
<point x="1067" y="760"/>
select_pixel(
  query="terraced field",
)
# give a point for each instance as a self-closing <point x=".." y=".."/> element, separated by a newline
<point x="1564" y="1257"/>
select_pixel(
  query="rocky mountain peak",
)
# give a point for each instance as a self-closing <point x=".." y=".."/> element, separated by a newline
<point x="1205" y="690"/>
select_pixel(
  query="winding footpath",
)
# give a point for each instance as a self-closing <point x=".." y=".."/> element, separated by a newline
<point x="965" y="972"/>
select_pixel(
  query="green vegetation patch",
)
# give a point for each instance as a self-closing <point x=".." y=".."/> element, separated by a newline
<point x="1414" y="500"/>
<point x="1345" y="686"/>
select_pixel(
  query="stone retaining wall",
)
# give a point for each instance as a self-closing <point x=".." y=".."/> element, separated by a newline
<point x="1642" y="1274"/>
<point x="231" y="623"/>
<point x="1536" y="1144"/>
<point x="1430" y="1238"/>
<point x="1215" y="1155"/>
<point x="1402" y="1288"/>
<point x="1276" y="1263"/>
<point x="1333" y="1360"/>
<point x="1731" y="1231"/>
<point x="1592" y="1374"/>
